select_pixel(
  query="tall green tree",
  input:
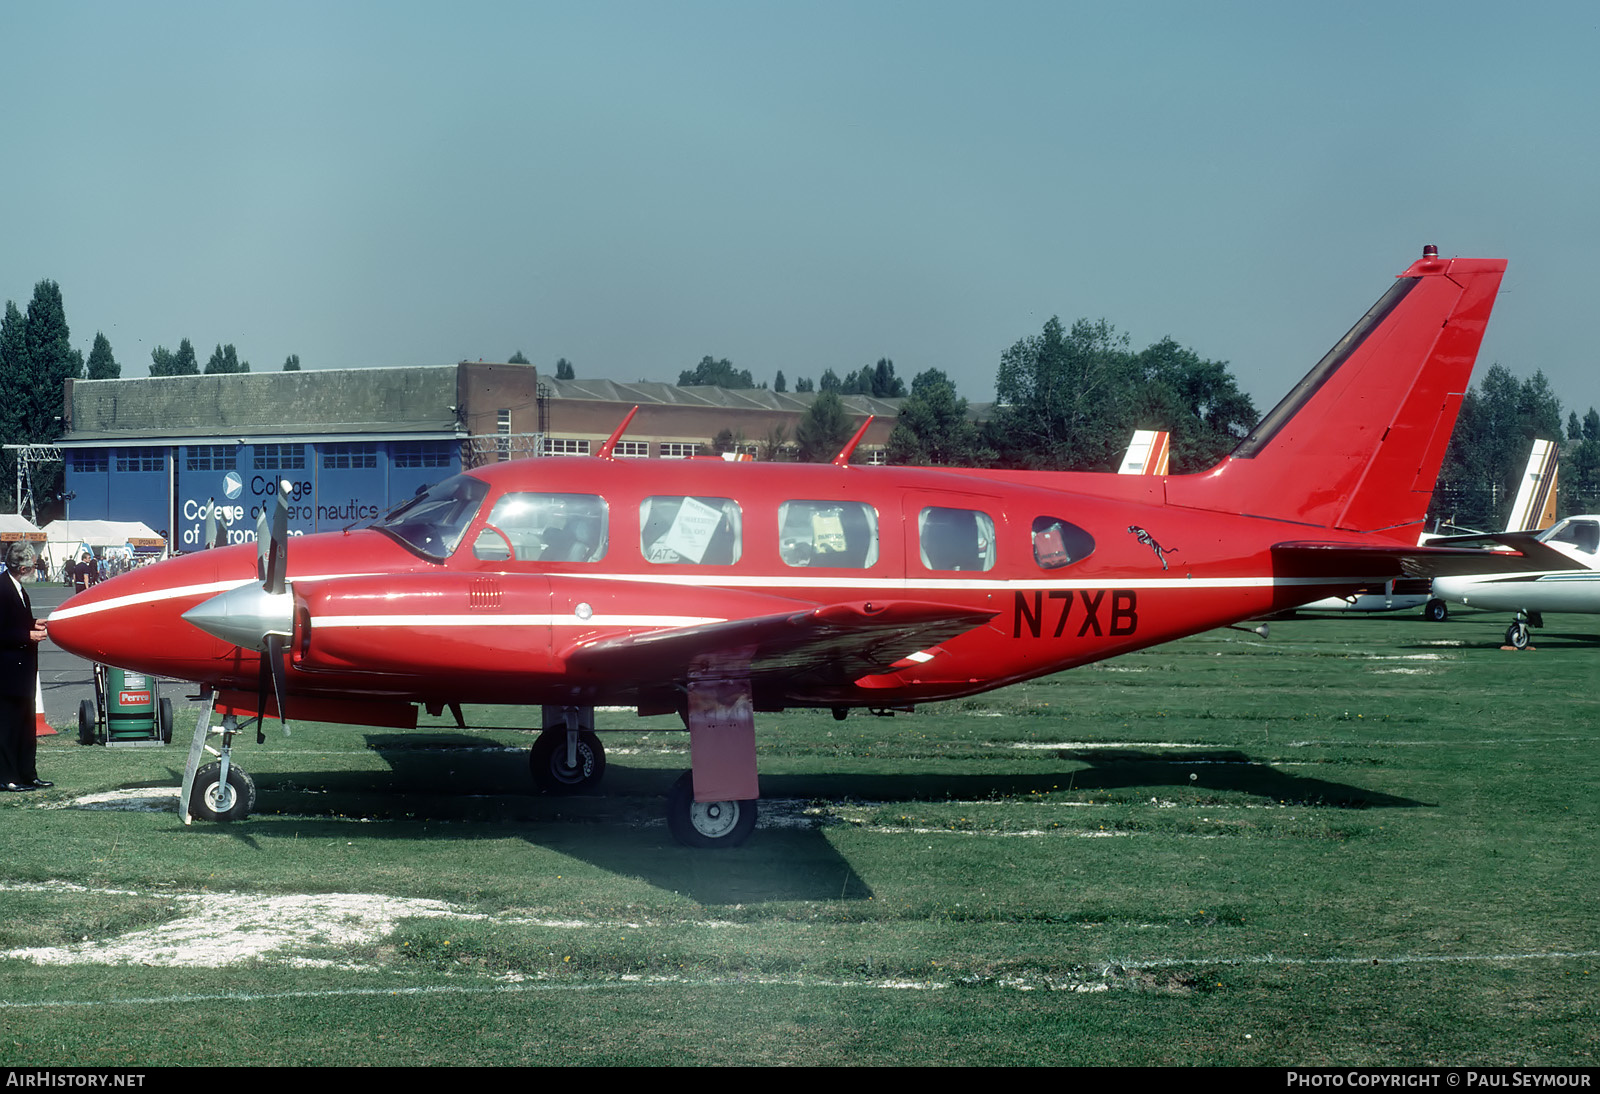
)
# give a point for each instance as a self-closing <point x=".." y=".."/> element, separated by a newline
<point x="291" y="363"/>
<point x="225" y="359"/>
<point x="518" y="359"/>
<point x="1197" y="401"/>
<point x="720" y="373"/>
<point x="1064" y="398"/>
<point x="161" y="361"/>
<point x="933" y="428"/>
<point x="823" y="428"/>
<point x="184" y="362"/>
<point x="1498" y="423"/>
<point x="102" y="364"/>
<point x="779" y="384"/>
<point x="564" y="369"/>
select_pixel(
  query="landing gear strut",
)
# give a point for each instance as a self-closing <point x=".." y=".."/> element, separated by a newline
<point x="218" y="791"/>
<point x="567" y="758"/>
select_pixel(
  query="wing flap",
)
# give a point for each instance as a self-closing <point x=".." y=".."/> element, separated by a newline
<point x="834" y="643"/>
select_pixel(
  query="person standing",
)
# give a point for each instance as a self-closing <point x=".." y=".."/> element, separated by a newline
<point x="20" y="635"/>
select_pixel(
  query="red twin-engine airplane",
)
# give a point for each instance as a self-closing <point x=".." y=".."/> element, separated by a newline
<point x="720" y="589"/>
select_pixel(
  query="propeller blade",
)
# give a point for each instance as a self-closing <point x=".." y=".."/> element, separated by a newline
<point x="277" y="566"/>
<point x="211" y="524"/>
<point x="272" y="666"/>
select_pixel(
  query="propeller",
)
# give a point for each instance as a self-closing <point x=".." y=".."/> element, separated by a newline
<point x="259" y="616"/>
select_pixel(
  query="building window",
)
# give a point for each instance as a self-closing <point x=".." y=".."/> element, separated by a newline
<point x="422" y="454"/>
<point x="632" y="450"/>
<point x="336" y="456"/>
<point x="90" y="462"/>
<point x="212" y="457"/>
<point x="565" y="446"/>
<point x="280" y="457"/>
<point x="877" y="457"/>
<point x="503" y="427"/>
<point x="141" y="459"/>
<point x="677" y="450"/>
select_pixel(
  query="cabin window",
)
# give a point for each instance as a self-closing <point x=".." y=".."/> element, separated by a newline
<point x="1582" y="534"/>
<point x="956" y="539"/>
<point x="702" y="531"/>
<point x="828" y="533"/>
<point x="1058" y="543"/>
<point x="544" y="528"/>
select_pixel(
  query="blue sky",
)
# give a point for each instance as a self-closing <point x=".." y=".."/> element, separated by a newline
<point x="795" y="187"/>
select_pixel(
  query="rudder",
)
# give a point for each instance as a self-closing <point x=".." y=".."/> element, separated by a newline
<point x="1357" y="444"/>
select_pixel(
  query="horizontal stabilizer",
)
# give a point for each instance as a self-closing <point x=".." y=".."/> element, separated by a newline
<point x="1382" y="560"/>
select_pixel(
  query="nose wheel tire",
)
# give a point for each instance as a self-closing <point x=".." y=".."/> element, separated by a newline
<point x="547" y="760"/>
<point x="708" y="825"/>
<point x="1517" y="635"/>
<point x="215" y="800"/>
<point x="1436" y="611"/>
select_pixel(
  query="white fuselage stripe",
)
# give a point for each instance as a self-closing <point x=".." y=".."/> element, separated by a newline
<point x="766" y="582"/>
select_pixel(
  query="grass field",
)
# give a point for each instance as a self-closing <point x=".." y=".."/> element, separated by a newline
<point x="1364" y="841"/>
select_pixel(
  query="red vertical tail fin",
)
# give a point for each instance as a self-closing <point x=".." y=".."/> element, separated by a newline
<point x="1358" y="443"/>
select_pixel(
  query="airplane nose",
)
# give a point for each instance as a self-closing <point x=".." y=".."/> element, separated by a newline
<point x="245" y="615"/>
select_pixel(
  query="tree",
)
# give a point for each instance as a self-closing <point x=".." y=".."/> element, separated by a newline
<point x="720" y="373"/>
<point x="779" y="384"/>
<point x="1064" y="398"/>
<point x="1195" y="400"/>
<point x="823" y="429"/>
<point x="184" y="362"/>
<point x="102" y="365"/>
<point x="291" y="363"/>
<point x="933" y="428"/>
<point x="877" y="380"/>
<point x="829" y="381"/>
<point x="517" y="359"/>
<point x="161" y="361"/>
<point x="1498" y="423"/>
<point x="225" y="359"/>
<point x="564" y="369"/>
<point x="804" y="386"/>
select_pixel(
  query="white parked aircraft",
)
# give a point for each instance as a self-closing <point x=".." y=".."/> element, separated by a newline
<point x="1563" y="575"/>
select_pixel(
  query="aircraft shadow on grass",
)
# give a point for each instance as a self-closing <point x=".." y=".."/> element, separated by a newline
<point x="469" y="780"/>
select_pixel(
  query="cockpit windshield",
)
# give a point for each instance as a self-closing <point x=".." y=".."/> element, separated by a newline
<point x="433" y="522"/>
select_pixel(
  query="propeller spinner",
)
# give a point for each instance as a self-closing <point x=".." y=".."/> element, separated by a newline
<point x="259" y="617"/>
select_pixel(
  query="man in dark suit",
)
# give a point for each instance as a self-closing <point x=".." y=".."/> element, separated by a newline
<point x="20" y="635"/>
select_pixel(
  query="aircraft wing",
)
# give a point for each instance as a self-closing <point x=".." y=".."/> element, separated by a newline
<point x="1457" y="555"/>
<point x="832" y="644"/>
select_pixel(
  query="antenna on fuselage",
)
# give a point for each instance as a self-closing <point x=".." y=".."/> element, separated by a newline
<point x="843" y="457"/>
<point x="611" y="441"/>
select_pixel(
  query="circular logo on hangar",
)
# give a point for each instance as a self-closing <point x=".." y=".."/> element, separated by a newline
<point x="232" y="485"/>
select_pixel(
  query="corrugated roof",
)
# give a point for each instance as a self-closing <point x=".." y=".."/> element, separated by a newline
<point x="418" y="399"/>
<point x="650" y="393"/>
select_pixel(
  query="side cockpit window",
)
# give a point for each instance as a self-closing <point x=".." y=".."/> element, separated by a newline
<point x="528" y="527"/>
<point x="699" y="531"/>
<point x="1582" y="534"/>
<point x="1058" y="543"/>
<point x="828" y="533"/>
<point x="955" y="539"/>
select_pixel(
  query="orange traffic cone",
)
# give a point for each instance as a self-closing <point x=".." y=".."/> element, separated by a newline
<point x="41" y="728"/>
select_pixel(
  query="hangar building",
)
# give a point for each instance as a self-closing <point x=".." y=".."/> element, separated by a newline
<point x="353" y="442"/>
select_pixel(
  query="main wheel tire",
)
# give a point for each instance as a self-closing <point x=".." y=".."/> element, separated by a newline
<point x="215" y="800"/>
<point x="547" y="760"/>
<point x="87" y="722"/>
<point x="1517" y="635"/>
<point x="1436" y="611"/>
<point x="710" y="825"/>
<point x="164" y="721"/>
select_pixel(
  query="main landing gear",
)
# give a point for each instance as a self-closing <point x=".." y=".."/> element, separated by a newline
<point x="567" y="758"/>
<point x="708" y="825"/>
<point x="1518" y="635"/>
